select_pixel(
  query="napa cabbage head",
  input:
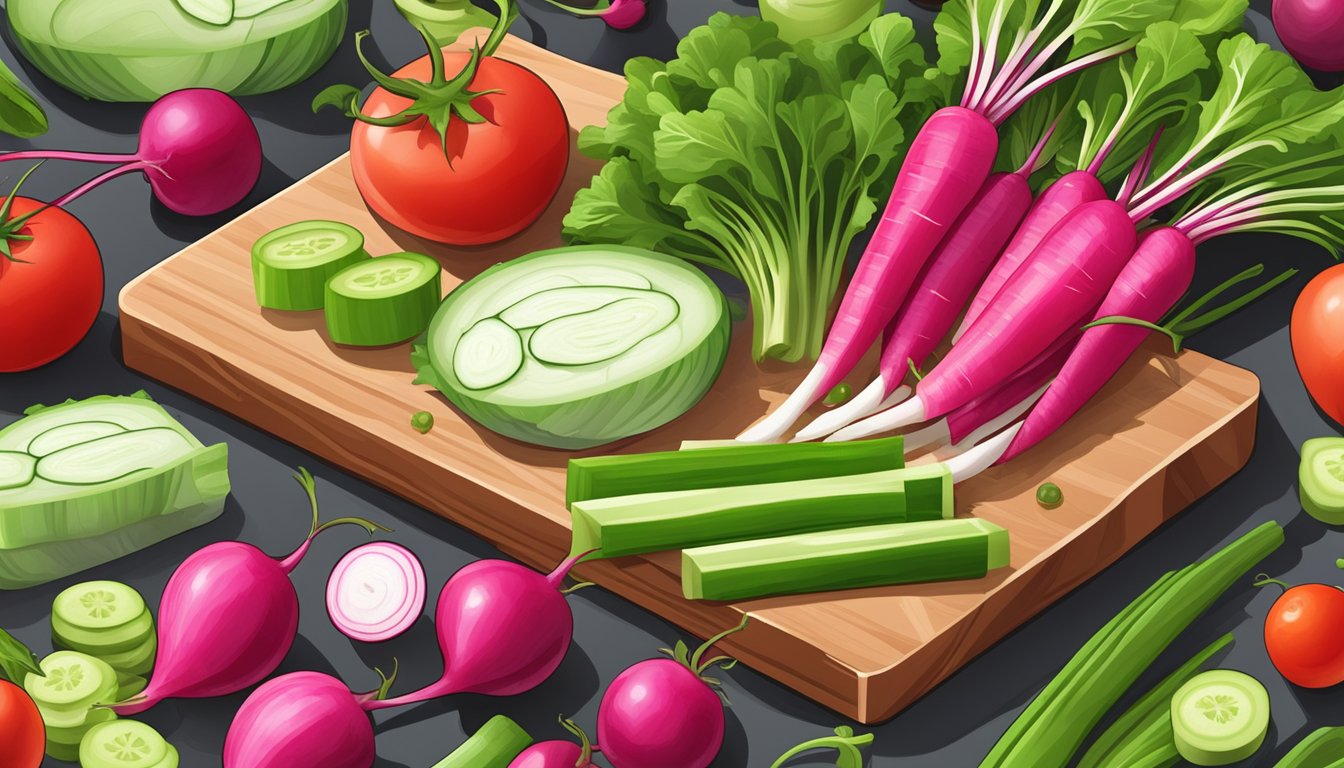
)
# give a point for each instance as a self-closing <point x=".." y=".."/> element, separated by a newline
<point x="139" y="50"/>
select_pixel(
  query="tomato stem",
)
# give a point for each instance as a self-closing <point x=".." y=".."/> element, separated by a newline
<point x="11" y="229"/>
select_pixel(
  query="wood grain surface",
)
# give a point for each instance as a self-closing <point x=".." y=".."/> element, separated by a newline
<point x="1163" y="433"/>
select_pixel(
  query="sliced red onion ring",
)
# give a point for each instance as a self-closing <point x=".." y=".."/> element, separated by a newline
<point x="376" y="592"/>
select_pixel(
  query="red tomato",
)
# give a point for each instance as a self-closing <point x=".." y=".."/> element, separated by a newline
<point x="23" y="737"/>
<point x="503" y="174"/>
<point x="49" y="302"/>
<point x="1303" y="637"/>
<point x="1318" y="340"/>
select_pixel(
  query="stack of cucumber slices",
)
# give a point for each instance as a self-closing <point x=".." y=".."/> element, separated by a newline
<point x="67" y="697"/>
<point x="369" y="302"/>
<point x="110" y="622"/>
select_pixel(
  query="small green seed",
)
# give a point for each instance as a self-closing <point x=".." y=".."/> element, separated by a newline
<point x="1049" y="495"/>
<point x="422" y="421"/>
<point x="840" y="394"/>
<point x="1340" y="563"/>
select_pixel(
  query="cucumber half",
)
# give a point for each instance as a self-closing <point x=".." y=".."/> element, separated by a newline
<point x="383" y="301"/>
<point x="125" y="744"/>
<point x="576" y="347"/>
<point x="1220" y="717"/>
<point x="291" y="265"/>
<point x="1321" y="479"/>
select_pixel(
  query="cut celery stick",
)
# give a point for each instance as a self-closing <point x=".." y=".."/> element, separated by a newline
<point x="495" y="745"/>
<point x="601" y="477"/>
<point x="652" y="522"/>
<point x="878" y="555"/>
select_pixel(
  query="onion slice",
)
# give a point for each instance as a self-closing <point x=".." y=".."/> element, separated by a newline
<point x="376" y="592"/>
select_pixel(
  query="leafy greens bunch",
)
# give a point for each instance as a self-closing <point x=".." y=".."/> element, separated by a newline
<point x="761" y="159"/>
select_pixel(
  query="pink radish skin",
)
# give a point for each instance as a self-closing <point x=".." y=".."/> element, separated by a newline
<point x="964" y="421"/>
<point x="503" y="629"/>
<point x="300" y="720"/>
<point x="558" y="754"/>
<point x="1065" y="194"/>
<point x="228" y="616"/>
<point x="199" y="151"/>
<point x="664" y="713"/>
<point x="1155" y="278"/>
<point x="947" y="164"/>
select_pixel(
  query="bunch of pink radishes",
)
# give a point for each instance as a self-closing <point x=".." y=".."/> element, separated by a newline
<point x="229" y="615"/>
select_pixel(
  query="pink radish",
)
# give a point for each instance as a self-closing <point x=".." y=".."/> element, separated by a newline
<point x="1056" y="289"/>
<point x="619" y="14"/>
<point x="953" y="271"/>
<point x="1066" y="193"/>
<point x="503" y="629"/>
<point x="947" y="163"/>
<point x="376" y="592"/>
<point x="228" y="616"/>
<point x="966" y="424"/>
<point x="199" y="151"/>
<point x="302" y="720"/>
<point x="558" y="754"/>
<point x="664" y="713"/>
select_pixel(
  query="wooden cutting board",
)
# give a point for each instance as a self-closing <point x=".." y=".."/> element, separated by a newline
<point x="1165" y="432"/>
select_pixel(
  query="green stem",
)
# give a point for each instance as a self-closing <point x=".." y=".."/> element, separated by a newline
<point x="597" y="10"/>
<point x="1176" y="339"/>
<point x="1263" y="580"/>
<point x="844" y="741"/>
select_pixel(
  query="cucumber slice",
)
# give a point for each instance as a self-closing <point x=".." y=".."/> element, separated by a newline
<point x="605" y="333"/>
<point x="489" y="354"/>
<point x="137" y="661"/>
<point x="1220" y="717"/>
<point x="97" y="606"/>
<point x="74" y="681"/>
<point x="119" y="639"/>
<point x="67" y="435"/>
<point x="879" y="555"/>
<point x="66" y="753"/>
<point x="16" y="470"/>
<point x="383" y="301"/>
<point x="541" y="308"/>
<point x="122" y="744"/>
<point x="1321" y="479"/>
<point x="71" y="736"/>
<point x="129" y="685"/>
<point x="291" y="265"/>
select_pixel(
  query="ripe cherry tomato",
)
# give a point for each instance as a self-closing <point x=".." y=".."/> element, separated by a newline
<point x="52" y="289"/>
<point x="1318" y="340"/>
<point x="23" y="737"/>
<point x="1303" y="637"/>
<point x="498" y="176"/>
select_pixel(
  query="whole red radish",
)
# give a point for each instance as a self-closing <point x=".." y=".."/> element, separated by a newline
<point x="664" y="713"/>
<point x="1312" y="31"/>
<point x="1302" y="634"/>
<point x="51" y="282"/>
<point x="460" y="148"/>
<point x="503" y="629"/>
<point x="227" y="617"/>
<point x="558" y="754"/>
<point x="302" y="720"/>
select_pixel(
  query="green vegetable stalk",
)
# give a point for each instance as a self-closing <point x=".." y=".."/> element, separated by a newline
<point x="20" y="114"/>
<point x="848" y="748"/>
<point x="758" y="158"/>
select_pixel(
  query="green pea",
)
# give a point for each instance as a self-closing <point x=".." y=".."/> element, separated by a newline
<point x="422" y="421"/>
<point x="839" y="395"/>
<point x="1049" y="495"/>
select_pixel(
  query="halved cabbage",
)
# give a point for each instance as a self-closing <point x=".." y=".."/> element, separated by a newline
<point x="138" y="50"/>
<point x="576" y="347"/>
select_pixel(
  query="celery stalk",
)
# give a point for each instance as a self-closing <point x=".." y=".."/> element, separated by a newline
<point x="938" y="550"/>
<point x="495" y="745"/>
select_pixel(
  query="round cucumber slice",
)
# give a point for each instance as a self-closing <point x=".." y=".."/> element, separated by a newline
<point x="66" y="753"/>
<point x="137" y="661"/>
<point x="71" y="736"/>
<point x="128" y="685"/>
<point x="1220" y="717"/>
<point x="604" y="333"/>
<point x="607" y="362"/>
<point x="98" y="605"/>
<point x="74" y="681"/>
<point x="1321" y="479"/>
<point x="122" y="744"/>
<point x="16" y="470"/>
<point x="100" y="642"/>
<point x="291" y="265"/>
<point x="383" y="301"/>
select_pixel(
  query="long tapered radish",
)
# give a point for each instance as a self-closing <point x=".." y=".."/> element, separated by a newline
<point x="1155" y="278"/>
<point x="946" y="283"/>
<point x="966" y="424"/>
<point x="1066" y="193"/>
<point x="947" y="164"/>
<point x="1056" y="289"/>
<point x="228" y="617"/>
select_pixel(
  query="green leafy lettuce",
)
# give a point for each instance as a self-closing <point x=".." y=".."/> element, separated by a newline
<point x="758" y="158"/>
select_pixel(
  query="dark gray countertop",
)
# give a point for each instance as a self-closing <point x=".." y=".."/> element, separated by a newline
<point x="953" y="726"/>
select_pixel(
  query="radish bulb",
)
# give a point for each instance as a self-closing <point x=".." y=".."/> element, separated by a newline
<point x="665" y="713"/>
<point x="503" y="629"/>
<point x="198" y="150"/>
<point x="559" y="754"/>
<point x="227" y="617"/>
<point x="376" y="592"/>
<point x="303" y="720"/>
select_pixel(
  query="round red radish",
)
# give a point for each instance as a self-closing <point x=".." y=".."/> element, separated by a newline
<point x="558" y="754"/>
<point x="1312" y="31"/>
<point x="300" y="720"/>
<point x="664" y="713"/>
<point x="503" y="629"/>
